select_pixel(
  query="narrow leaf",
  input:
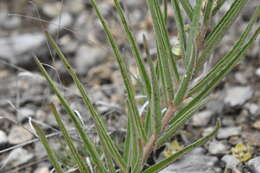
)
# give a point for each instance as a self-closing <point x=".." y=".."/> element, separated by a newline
<point x="216" y="35"/>
<point x="134" y="47"/>
<point x="155" y="100"/>
<point x="228" y="57"/>
<point x="180" y="24"/>
<point x="187" y="7"/>
<point x="82" y="166"/>
<point x="166" y="162"/>
<point x="208" y="12"/>
<point x="164" y="48"/>
<point x="100" y="127"/>
<point x="51" y="154"/>
<point x="190" y="56"/>
<point x="219" y="4"/>
<point x="180" y="118"/>
<point x="124" y="72"/>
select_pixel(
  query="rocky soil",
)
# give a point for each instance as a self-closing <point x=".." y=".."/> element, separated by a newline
<point x="24" y="94"/>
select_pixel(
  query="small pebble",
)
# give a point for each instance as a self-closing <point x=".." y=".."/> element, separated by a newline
<point x="216" y="147"/>
<point x="60" y="23"/>
<point x="3" y="137"/>
<point x="254" y="165"/>
<point x="237" y="96"/>
<point x="87" y="57"/>
<point x="193" y="162"/>
<point x="52" y="9"/>
<point x="257" y="72"/>
<point x="201" y="118"/>
<point x="19" y="135"/>
<point x="253" y="108"/>
<point x="227" y="132"/>
<point x="231" y="161"/>
<point x="215" y="106"/>
<point x="17" y="157"/>
<point x="257" y="124"/>
<point x="42" y="170"/>
<point x="25" y="113"/>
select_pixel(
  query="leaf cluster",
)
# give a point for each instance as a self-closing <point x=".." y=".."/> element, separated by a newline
<point x="171" y="98"/>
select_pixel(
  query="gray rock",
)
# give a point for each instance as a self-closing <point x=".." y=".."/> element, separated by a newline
<point x="193" y="163"/>
<point x="257" y="72"/>
<point x="52" y="9"/>
<point x="42" y="170"/>
<point x="19" y="135"/>
<point x="17" y="157"/>
<point x="228" y="121"/>
<point x="215" y="106"/>
<point x="75" y="6"/>
<point x="253" y="108"/>
<point x="241" y="78"/>
<point x="59" y="23"/>
<point x="231" y="161"/>
<point x="227" y="132"/>
<point x="237" y="96"/>
<point x="207" y="131"/>
<point x="18" y="49"/>
<point x="9" y="22"/>
<point x="201" y="118"/>
<point x="25" y="113"/>
<point x="216" y="147"/>
<point x="87" y="57"/>
<point x="133" y="3"/>
<point x="254" y="165"/>
<point x="3" y="137"/>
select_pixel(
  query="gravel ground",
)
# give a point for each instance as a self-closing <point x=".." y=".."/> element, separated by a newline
<point x="24" y="95"/>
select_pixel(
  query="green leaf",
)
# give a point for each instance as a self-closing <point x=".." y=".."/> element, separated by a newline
<point x="208" y="12"/>
<point x="124" y="73"/>
<point x="228" y="57"/>
<point x="135" y="158"/>
<point x="82" y="166"/>
<point x="187" y="111"/>
<point x="180" y="24"/>
<point x="135" y="49"/>
<point x="180" y="119"/>
<point x="155" y="100"/>
<point x="190" y="55"/>
<point x="102" y="132"/>
<point x="166" y="162"/>
<point x="128" y="143"/>
<point x="219" y="4"/>
<point x="164" y="48"/>
<point x="216" y="35"/>
<point x="51" y="154"/>
<point x="187" y="7"/>
<point x="165" y="11"/>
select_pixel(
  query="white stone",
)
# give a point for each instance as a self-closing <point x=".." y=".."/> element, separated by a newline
<point x="19" y="135"/>
<point x="254" y="164"/>
<point x="231" y="161"/>
<point x="216" y="147"/>
<point x="3" y="137"/>
<point x="17" y="157"/>
<point x="237" y="96"/>
<point x="193" y="162"/>
<point x="42" y="170"/>
<point x="52" y="9"/>
<point x="253" y="108"/>
<point x="87" y="57"/>
<point x="257" y="72"/>
<point x="201" y="118"/>
<point x="227" y="132"/>
<point x="61" y="22"/>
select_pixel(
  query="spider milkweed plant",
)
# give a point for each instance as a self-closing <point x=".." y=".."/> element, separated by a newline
<point x="164" y="87"/>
